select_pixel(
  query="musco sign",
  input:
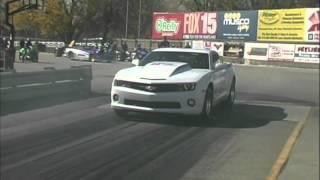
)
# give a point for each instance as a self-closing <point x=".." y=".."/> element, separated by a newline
<point x="237" y="25"/>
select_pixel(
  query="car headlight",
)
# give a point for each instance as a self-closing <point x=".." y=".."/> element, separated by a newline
<point x="120" y="83"/>
<point x="187" y="86"/>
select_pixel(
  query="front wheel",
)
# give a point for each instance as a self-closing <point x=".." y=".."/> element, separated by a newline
<point x="228" y="103"/>
<point x="207" y="110"/>
<point x="70" y="55"/>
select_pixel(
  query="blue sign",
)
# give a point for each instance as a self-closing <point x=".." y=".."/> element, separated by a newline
<point x="237" y="25"/>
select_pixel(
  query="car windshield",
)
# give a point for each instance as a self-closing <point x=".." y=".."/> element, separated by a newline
<point x="195" y="60"/>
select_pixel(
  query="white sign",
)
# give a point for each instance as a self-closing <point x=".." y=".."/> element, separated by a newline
<point x="281" y="52"/>
<point x="216" y="46"/>
<point x="256" y="51"/>
<point x="305" y="53"/>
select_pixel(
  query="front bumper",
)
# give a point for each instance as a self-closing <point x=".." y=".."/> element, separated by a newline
<point x="160" y="102"/>
<point x="82" y="57"/>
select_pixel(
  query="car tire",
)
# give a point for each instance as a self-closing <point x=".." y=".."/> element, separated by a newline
<point x="70" y="55"/>
<point x="90" y="57"/>
<point x="207" y="110"/>
<point x="120" y="113"/>
<point x="228" y="103"/>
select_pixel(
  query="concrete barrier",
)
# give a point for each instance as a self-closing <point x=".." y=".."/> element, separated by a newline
<point x="50" y="82"/>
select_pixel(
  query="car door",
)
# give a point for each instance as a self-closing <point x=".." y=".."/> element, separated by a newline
<point x="219" y="80"/>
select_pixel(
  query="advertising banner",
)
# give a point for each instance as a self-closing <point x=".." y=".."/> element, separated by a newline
<point x="216" y="46"/>
<point x="237" y="25"/>
<point x="305" y="53"/>
<point x="200" y="25"/>
<point x="188" y="26"/>
<point x="281" y="52"/>
<point x="256" y="51"/>
<point x="312" y="24"/>
<point x="167" y="24"/>
<point x="287" y="25"/>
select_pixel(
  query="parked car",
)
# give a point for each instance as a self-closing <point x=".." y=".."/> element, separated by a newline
<point x="174" y="80"/>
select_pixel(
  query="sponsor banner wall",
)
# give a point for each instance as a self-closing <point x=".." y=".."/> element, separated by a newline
<point x="256" y="51"/>
<point x="237" y="25"/>
<point x="287" y="25"/>
<point x="312" y="25"/>
<point x="216" y="46"/>
<point x="281" y="52"/>
<point x="305" y="53"/>
<point x="167" y="24"/>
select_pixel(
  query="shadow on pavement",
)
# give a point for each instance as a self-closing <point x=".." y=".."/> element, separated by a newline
<point x="242" y="116"/>
<point x="42" y="102"/>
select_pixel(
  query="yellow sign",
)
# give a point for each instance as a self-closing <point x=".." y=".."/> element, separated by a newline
<point x="285" y="25"/>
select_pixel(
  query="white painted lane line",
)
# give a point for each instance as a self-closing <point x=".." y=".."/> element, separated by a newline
<point x="104" y="106"/>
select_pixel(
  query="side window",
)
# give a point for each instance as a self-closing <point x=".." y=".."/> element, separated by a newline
<point x="215" y="59"/>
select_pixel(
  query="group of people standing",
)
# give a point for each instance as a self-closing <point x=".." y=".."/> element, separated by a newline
<point x="122" y="53"/>
<point x="165" y="44"/>
<point x="7" y="54"/>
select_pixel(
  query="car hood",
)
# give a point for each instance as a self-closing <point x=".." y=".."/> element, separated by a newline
<point x="161" y="72"/>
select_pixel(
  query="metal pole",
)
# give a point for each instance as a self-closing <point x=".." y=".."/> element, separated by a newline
<point x="139" y="26"/>
<point x="127" y="20"/>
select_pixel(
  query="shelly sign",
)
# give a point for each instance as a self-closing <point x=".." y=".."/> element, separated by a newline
<point x="167" y="24"/>
<point x="164" y="26"/>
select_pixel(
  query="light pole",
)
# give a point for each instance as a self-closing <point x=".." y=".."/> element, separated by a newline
<point x="126" y="36"/>
<point x="139" y="24"/>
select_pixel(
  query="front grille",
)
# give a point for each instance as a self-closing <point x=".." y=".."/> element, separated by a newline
<point x="150" y="87"/>
<point x="168" y="105"/>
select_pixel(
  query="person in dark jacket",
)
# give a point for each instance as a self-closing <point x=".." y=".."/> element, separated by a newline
<point x="22" y="43"/>
<point x="29" y="44"/>
<point x="165" y="43"/>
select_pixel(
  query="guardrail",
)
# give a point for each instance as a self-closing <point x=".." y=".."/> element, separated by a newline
<point x="50" y="82"/>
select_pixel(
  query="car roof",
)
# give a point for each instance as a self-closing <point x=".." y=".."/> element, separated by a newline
<point x="182" y="50"/>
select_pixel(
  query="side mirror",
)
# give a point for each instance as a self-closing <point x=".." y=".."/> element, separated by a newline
<point x="217" y="64"/>
<point x="136" y="62"/>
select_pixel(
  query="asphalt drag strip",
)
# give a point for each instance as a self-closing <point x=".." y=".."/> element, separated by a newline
<point x="86" y="140"/>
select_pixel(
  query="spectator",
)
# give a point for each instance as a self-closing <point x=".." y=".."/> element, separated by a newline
<point x="22" y="43"/>
<point x="114" y="47"/>
<point x="164" y="43"/>
<point x="140" y="52"/>
<point x="124" y="49"/>
<point x="114" y="50"/>
<point x="29" y="44"/>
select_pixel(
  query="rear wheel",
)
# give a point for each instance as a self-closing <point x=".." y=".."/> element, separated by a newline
<point x="207" y="110"/>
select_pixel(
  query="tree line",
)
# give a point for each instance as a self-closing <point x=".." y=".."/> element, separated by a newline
<point x="68" y="20"/>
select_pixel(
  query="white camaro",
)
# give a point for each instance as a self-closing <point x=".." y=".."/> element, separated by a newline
<point x="174" y="80"/>
<point x="79" y="53"/>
